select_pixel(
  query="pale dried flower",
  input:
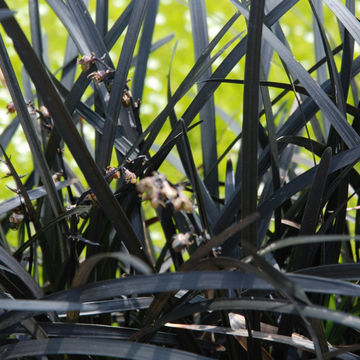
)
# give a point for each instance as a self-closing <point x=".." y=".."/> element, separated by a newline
<point x="181" y="241"/>
<point x="86" y="62"/>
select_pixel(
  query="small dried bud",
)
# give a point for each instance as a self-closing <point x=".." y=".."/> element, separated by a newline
<point x="15" y="220"/>
<point x="114" y="174"/>
<point x="86" y="62"/>
<point x="98" y="76"/>
<point x="44" y="116"/>
<point x="92" y="197"/>
<point x="181" y="241"/>
<point x="129" y="176"/>
<point x="149" y="185"/>
<point x="44" y="111"/>
<point x="126" y="100"/>
<point x="10" y="108"/>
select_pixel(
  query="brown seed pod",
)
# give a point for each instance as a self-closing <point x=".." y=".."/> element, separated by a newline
<point x="126" y="98"/>
<point x="15" y="220"/>
<point x="114" y="174"/>
<point x="10" y="108"/>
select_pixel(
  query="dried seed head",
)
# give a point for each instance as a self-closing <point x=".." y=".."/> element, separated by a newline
<point x="148" y="186"/>
<point x="86" y="62"/>
<point x="99" y="76"/>
<point x="129" y="176"/>
<point x="10" y="108"/>
<point x="15" y="220"/>
<point x="159" y="191"/>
